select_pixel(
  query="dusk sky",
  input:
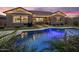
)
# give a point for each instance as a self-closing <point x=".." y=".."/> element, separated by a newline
<point x="45" y="8"/>
<point x="52" y="9"/>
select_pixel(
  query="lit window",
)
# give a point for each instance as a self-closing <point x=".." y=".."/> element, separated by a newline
<point x="20" y="19"/>
<point x="24" y="19"/>
<point x="16" y="19"/>
<point x="39" y="19"/>
<point x="59" y="19"/>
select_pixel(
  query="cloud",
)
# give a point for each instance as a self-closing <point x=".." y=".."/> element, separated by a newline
<point x="52" y="9"/>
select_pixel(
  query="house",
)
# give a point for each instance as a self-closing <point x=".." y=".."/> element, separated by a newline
<point x="41" y="17"/>
<point x="2" y="21"/>
<point x="22" y="17"/>
<point x="72" y="18"/>
<point x="18" y="17"/>
<point x="58" y="18"/>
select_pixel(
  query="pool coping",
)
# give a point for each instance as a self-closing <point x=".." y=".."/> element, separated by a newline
<point x="19" y="31"/>
<point x="49" y="27"/>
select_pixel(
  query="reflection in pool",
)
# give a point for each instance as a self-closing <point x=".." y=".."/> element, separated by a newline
<point x="36" y="39"/>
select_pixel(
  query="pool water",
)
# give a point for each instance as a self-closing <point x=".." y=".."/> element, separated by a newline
<point x="35" y="40"/>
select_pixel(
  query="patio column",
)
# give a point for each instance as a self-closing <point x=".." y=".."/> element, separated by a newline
<point x="47" y="20"/>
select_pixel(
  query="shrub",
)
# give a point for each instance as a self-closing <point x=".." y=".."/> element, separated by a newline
<point x="71" y="46"/>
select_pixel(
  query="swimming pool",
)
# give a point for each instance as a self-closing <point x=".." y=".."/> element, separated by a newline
<point x="35" y="40"/>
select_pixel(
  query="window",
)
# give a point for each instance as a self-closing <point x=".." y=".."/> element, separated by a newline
<point x="39" y="19"/>
<point x="24" y="19"/>
<point x="20" y="19"/>
<point x="16" y="19"/>
<point x="60" y="19"/>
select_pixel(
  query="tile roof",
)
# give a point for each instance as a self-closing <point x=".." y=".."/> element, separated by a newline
<point x="41" y="12"/>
